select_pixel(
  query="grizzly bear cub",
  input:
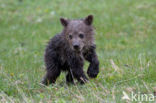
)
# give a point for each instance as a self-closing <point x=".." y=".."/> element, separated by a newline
<point x="68" y="50"/>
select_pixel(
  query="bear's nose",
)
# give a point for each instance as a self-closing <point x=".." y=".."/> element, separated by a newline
<point x="76" y="46"/>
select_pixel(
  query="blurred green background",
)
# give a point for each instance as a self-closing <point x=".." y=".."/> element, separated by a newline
<point x="126" y="47"/>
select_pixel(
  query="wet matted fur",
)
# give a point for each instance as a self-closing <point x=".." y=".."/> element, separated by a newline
<point x="68" y="50"/>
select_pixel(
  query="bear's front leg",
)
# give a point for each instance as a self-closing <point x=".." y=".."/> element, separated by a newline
<point x="76" y="69"/>
<point x="69" y="78"/>
<point x="79" y="75"/>
<point x="93" y="68"/>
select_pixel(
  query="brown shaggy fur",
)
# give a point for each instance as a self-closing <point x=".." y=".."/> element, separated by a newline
<point x="68" y="50"/>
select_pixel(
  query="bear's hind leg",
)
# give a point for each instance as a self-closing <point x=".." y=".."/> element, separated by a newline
<point x="51" y="76"/>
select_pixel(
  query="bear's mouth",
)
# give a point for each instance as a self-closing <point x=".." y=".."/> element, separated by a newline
<point x="77" y="51"/>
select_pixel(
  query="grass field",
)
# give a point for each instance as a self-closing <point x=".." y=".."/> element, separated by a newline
<point x="126" y="47"/>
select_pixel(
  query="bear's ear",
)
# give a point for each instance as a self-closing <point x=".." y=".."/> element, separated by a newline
<point x="64" y="22"/>
<point x="88" y="20"/>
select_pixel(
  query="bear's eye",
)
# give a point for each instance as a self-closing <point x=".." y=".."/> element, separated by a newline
<point x="70" y="36"/>
<point x="81" y="36"/>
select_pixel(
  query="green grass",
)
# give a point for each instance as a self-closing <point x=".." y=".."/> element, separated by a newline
<point x="126" y="47"/>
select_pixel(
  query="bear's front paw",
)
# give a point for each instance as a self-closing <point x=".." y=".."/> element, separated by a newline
<point x="93" y="72"/>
